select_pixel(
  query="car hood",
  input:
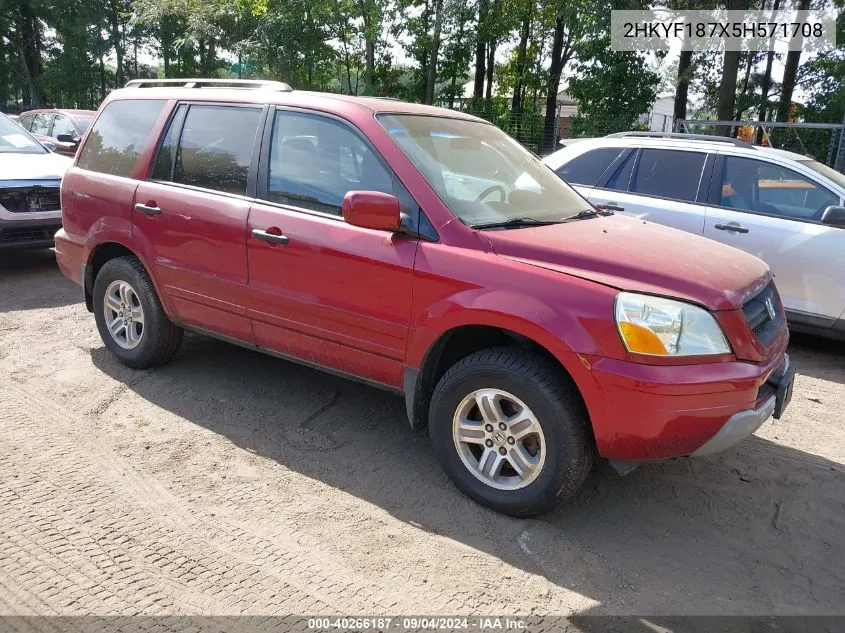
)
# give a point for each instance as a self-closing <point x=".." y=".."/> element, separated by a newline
<point x="639" y="256"/>
<point x="47" y="166"/>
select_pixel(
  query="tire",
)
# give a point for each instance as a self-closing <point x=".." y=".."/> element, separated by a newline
<point x="151" y="338"/>
<point x="565" y="450"/>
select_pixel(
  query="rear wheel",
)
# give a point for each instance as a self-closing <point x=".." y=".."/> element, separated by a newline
<point x="511" y="431"/>
<point x="129" y="315"/>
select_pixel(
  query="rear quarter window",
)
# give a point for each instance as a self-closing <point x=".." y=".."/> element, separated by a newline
<point x="119" y="136"/>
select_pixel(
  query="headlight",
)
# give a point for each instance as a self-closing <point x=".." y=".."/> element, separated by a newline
<point x="665" y="327"/>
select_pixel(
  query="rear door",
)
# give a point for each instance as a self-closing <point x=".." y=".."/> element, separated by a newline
<point x="321" y="290"/>
<point x="666" y="186"/>
<point x="190" y="215"/>
<point x="773" y="212"/>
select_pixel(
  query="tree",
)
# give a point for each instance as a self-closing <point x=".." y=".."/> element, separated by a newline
<point x="790" y="69"/>
<point x="766" y="81"/>
<point x="612" y="89"/>
<point x="726" y="100"/>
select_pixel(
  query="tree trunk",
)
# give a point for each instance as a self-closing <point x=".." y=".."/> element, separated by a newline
<point x="480" y="50"/>
<point x="766" y="81"/>
<point x="102" y="78"/>
<point x="30" y="45"/>
<point x="558" y="60"/>
<point x="432" y="56"/>
<point x="491" y="57"/>
<point x="366" y="9"/>
<point x="521" y="52"/>
<point x="682" y="89"/>
<point x="790" y="68"/>
<point x="726" y="99"/>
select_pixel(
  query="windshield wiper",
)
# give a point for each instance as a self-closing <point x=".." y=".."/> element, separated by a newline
<point x="587" y="213"/>
<point x="514" y="223"/>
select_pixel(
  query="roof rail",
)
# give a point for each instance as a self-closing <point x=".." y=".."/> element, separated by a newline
<point x="210" y="83"/>
<point x="689" y="137"/>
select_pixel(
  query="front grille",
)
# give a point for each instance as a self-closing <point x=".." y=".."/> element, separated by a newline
<point x="757" y="313"/>
<point x="30" y="199"/>
<point x="24" y="234"/>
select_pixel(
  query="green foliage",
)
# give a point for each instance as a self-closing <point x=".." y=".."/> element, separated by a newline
<point x="612" y="90"/>
<point x="72" y="52"/>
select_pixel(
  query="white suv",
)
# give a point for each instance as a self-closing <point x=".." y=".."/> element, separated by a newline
<point x="785" y="208"/>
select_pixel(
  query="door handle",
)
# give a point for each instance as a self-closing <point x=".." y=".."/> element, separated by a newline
<point x="731" y="226"/>
<point x="609" y="206"/>
<point x="269" y="237"/>
<point x="150" y="209"/>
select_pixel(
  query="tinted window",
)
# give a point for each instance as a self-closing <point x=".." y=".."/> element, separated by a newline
<point x="215" y="148"/>
<point x="163" y="168"/>
<point x="621" y="177"/>
<point x="668" y="174"/>
<point x="314" y="161"/>
<point x="587" y="168"/>
<point x="41" y="124"/>
<point x="62" y="125"/>
<point x="119" y="136"/>
<point x="753" y="185"/>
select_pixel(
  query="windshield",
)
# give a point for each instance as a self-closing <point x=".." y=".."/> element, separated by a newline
<point x="824" y="170"/>
<point x="16" y="140"/>
<point x="482" y="174"/>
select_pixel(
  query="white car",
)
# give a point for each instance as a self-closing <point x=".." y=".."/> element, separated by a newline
<point x="785" y="208"/>
<point x="30" y="175"/>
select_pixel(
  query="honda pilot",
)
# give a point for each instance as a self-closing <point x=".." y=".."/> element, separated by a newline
<point x="422" y="251"/>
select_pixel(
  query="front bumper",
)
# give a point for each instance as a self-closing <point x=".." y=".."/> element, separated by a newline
<point x="742" y="424"/>
<point x="650" y="412"/>
<point x="28" y="232"/>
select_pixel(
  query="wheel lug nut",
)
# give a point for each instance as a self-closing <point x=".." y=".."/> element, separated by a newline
<point x="502" y="451"/>
<point x="489" y="428"/>
<point x="489" y="443"/>
<point x="503" y="426"/>
<point x="511" y="440"/>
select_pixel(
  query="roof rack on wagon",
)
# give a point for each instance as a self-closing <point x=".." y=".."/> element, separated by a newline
<point x="250" y="84"/>
<point x="685" y="137"/>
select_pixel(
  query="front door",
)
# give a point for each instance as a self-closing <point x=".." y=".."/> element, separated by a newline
<point x="320" y="290"/>
<point x="190" y="216"/>
<point x="772" y="212"/>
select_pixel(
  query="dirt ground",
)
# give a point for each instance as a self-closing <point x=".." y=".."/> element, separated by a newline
<point x="229" y="482"/>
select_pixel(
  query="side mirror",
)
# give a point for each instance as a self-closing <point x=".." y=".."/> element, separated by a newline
<point x="66" y="138"/>
<point x="50" y="147"/>
<point x="834" y="215"/>
<point x="372" y="210"/>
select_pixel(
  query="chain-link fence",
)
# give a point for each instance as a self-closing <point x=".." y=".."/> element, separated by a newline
<point x="528" y="126"/>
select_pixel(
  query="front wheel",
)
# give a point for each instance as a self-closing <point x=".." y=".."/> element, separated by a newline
<point x="511" y="431"/>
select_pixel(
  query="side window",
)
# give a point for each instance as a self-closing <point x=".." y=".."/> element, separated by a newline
<point x="165" y="158"/>
<point x="621" y="177"/>
<point x="119" y="136"/>
<point x="216" y="146"/>
<point x="753" y="185"/>
<point x="587" y="168"/>
<point x="26" y="122"/>
<point x="62" y="125"/>
<point x="41" y="124"/>
<point x="668" y="174"/>
<point x="315" y="161"/>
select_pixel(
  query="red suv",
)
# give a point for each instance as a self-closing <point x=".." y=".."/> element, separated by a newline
<point x="423" y="251"/>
